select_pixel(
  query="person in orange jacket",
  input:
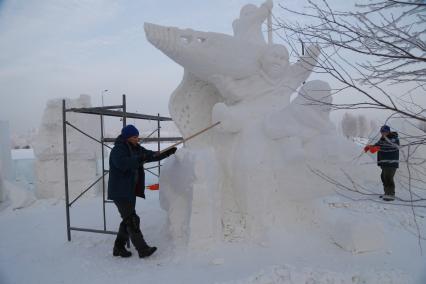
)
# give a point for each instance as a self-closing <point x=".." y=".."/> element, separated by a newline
<point x="387" y="149"/>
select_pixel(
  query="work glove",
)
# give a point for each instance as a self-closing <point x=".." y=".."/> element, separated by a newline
<point x="374" y="149"/>
<point x="171" y="151"/>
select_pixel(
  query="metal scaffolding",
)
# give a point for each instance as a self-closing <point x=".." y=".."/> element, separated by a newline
<point x="112" y="111"/>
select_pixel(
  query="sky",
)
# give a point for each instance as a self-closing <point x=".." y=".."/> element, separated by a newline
<point x="64" y="48"/>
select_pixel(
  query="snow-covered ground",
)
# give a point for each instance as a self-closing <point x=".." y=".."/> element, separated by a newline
<point x="34" y="249"/>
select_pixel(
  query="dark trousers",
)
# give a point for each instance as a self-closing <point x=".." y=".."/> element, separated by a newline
<point x="129" y="226"/>
<point x="387" y="179"/>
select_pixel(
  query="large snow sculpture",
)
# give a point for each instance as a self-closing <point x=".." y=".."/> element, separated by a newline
<point x="82" y="152"/>
<point x="251" y="172"/>
<point x="2" y="187"/>
<point x="6" y="165"/>
<point x="5" y="151"/>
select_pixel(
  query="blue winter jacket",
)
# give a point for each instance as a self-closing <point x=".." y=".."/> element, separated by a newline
<point x="388" y="155"/>
<point x="126" y="173"/>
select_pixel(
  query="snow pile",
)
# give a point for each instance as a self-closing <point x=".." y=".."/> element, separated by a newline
<point x="255" y="171"/>
<point x="14" y="195"/>
<point x="283" y="274"/>
<point x="82" y="151"/>
<point x="17" y="196"/>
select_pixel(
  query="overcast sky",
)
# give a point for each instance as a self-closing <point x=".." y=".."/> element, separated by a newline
<point x="64" y="48"/>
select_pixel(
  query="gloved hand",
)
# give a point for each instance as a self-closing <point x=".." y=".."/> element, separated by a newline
<point x="374" y="149"/>
<point x="171" y="151"/>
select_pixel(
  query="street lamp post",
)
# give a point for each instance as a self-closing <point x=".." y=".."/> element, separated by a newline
<point x="102" y="95"/>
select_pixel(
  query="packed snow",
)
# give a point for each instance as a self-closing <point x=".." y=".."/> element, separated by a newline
<point x="34" y="249"/>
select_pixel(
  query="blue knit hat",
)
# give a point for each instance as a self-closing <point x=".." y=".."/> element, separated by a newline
<point x="129" y="131"/>
<point x="385" y="128"/>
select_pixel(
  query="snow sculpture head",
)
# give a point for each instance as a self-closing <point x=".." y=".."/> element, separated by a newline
<point x="248" y="10"/>
<point x="274" y="61"/>
<point x="248" y="25"/>
<point x="202" y="53"/>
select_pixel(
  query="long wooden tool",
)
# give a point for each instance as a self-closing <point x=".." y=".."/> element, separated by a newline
<point x="190" y="137"/>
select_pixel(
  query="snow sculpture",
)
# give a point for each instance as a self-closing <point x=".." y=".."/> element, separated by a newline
<point x="193" y="204"/>
<point x="6" y="165"/>
<point x="2" y="190"/>
<point x="252" y="171"/>
<point x="248" y="26"/>
<point x="5" y="151"/>
<point x="82" y="152"/>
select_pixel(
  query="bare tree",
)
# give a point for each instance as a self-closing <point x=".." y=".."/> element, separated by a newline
<point x="379" y="44"/>
<point x="377" y="53"/>
<point x="422" y="126"/>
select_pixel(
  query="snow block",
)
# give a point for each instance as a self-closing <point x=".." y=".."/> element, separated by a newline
<point x="190" y="189"/>
<point x="82" y="151"/>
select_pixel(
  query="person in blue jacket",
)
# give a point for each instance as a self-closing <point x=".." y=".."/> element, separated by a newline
<point x="387" y="159"/>
<point x="126" y="182"/>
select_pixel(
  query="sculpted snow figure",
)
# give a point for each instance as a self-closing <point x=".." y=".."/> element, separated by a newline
<point x="237" y="180"/>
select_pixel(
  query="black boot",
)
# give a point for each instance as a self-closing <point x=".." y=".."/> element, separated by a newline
<point x="121" y="251"/>
<point x="136" y="237"/>
<point x="147" y="251"/>
<point x="388" y="197"/>
<point x="120" y="242"/>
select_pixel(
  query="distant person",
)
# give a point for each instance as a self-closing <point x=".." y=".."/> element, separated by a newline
<point x="126" y="182"/>
<point x="387" y="158"/>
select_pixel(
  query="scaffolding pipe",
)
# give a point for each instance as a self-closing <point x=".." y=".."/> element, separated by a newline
<point x="124" y="110"/>
<point x="64" y="137"/>
<point x="103" y="170"/>
<point x="93" y="231"/>
<point x="104" y="111"/>
<point x="158" y="143"/>
<point x="87" y="189"/>
<point x="82" y="132"/>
